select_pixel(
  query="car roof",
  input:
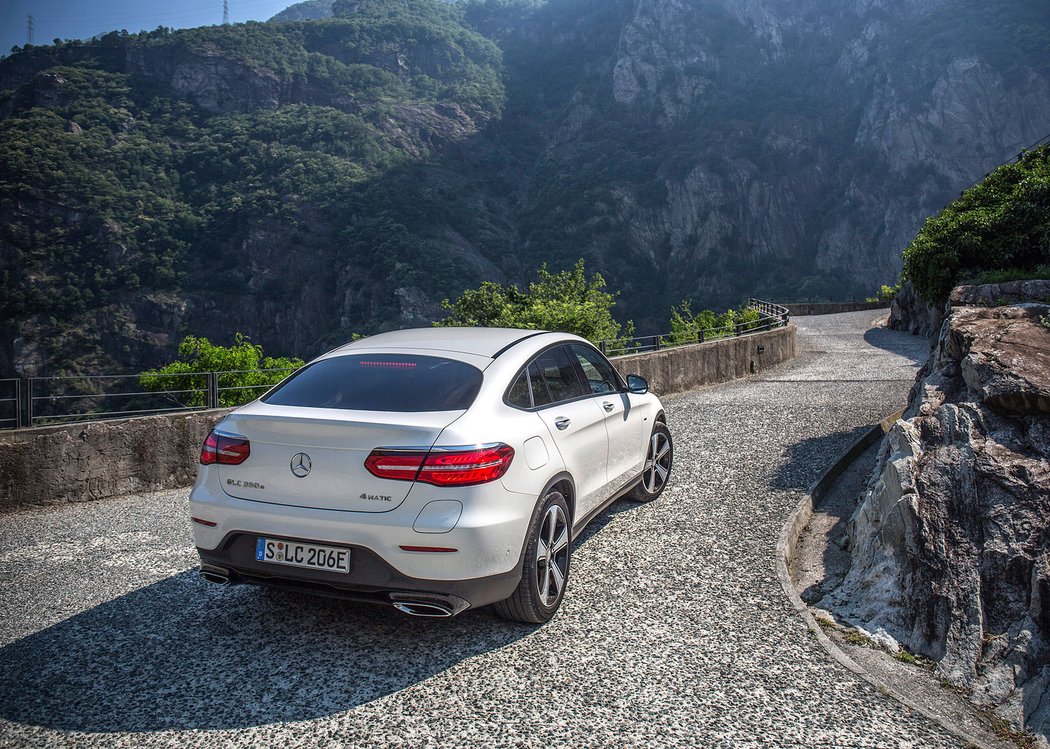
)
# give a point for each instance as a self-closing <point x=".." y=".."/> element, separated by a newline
<point x="485" y="342"/>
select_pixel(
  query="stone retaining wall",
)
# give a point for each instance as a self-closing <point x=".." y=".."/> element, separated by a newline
<point x="676" y="370"/>
<point x="82" y="462"/>
<point x="831" y="308"/>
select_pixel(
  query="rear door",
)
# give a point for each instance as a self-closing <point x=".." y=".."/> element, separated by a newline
<point x="575" y="421"/>
<point x="623" y="423"/>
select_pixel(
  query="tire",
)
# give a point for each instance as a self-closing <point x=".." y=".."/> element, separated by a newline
<point x="544" y="575"/>
<point x="656" y="470"/>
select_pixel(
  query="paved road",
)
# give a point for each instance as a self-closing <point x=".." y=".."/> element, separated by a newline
<point x="675" y="631"/>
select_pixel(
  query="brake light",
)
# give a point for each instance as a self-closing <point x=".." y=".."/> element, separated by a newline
<point x="226" y="449"/>
<point x="467" y="467"/>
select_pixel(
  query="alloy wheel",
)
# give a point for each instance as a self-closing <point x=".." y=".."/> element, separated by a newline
<point x="552" y="555"/>
<point x="657" y="463"/>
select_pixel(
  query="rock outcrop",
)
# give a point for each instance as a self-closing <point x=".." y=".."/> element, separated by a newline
<point x="950" y="544"/>
<point x="910" y="313"/>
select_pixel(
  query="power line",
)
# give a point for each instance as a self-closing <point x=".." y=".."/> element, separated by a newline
<point x="29" y="31"/>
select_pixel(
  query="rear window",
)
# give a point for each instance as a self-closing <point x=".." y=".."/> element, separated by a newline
<point x="381" y="382"/>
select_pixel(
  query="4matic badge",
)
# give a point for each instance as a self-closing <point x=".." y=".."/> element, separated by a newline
<point x="376" y="497"/>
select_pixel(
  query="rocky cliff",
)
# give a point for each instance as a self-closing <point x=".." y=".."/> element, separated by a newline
<point x="950" y="544"/>
<point x="703" y="149"/>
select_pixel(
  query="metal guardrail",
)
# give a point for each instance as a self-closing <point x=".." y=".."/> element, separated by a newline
<point x="35" y="401"/>
<point x="771" y="316"/>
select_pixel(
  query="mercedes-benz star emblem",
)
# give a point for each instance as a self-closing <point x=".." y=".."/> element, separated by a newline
<point x="301" y="464"/>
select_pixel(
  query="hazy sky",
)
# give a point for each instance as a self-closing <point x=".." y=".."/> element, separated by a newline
<point x="79" y="19"/>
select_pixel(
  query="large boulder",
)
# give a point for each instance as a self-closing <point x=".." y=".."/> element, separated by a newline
<point x="950" y="543"/>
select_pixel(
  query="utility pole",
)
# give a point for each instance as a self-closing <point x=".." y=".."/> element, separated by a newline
<point x="225" y="12"/>
<point x="29" y="31"/>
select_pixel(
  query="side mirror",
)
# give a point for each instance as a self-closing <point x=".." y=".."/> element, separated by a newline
<point x="637" y="384"/>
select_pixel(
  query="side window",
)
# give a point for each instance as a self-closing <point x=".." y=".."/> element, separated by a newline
<point x="518" y="395"/>
<point x="601" y="377"/>
<point x="559" y="373"/>
<point x="540" y="395"/>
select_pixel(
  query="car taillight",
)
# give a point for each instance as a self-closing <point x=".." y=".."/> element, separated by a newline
<point x="466" y="467"/>
<point x="226" y="449"/>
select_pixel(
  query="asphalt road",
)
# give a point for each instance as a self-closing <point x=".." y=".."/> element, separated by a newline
<point x="675" y="631"/>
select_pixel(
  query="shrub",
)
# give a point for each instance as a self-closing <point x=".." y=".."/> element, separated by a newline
<point x="567" y="301"/>
<point x="244" y="372"/>
<point x="1003" y="222"/>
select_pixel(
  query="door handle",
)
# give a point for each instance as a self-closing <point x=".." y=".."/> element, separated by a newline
<point x="562" y="423"/>
<point x="608" y="406"/>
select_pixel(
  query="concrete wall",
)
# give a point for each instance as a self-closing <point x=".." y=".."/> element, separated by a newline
<point x="831" y="308"/>
<point x="676" y="370"/>
<point x="81" y="462"/>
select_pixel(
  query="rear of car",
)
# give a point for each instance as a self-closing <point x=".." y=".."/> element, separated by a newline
<point x="349" y="479"/>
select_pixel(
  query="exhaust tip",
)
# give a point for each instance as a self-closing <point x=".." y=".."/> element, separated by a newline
<point x="423" y="608"/>
<point x="213" y="576"/>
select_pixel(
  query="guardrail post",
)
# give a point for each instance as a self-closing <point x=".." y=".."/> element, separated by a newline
<point x="601" y="346"/>
<point x="18" y="404"/>
<point x="739" y="329"/>
<point x="700" y="336"/>
<point x="656" y="343"/>
<point x="213" y="389"/>
<point x="29" y="402"/>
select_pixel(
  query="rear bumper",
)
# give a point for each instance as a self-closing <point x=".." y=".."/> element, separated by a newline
<point x="489" y="539"/>
<point x="371" y="579"/>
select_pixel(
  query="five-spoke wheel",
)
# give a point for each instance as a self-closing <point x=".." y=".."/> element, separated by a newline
<point x="545" y="572"/>
<point x="657" y="466"/>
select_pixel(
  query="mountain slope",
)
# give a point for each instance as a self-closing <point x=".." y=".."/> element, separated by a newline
<point x="299" y="181"/>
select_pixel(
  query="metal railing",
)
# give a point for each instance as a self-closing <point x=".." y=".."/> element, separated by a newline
<point x="35" y="401"/>
<point x="771" y="316"/>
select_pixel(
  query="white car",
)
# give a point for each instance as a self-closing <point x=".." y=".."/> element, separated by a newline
<point x="432" y="469"/>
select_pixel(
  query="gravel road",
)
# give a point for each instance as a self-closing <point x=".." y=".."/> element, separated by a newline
<point x="675" y="631"/>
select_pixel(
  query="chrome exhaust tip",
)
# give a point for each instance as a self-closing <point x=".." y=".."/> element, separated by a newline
<point x="423" y="608"/>
<point x="215" y="577"/>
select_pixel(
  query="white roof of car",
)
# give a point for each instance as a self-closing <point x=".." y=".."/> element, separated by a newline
<point x="475" y="341"/>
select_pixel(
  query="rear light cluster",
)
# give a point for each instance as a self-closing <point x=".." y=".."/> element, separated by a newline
<point x="475" y="465"/>
<point x="226" y="449"/>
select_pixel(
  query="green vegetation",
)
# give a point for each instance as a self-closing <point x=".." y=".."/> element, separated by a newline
<point x="115" y="187"/>
<point x="567" y="301"/>
<point x="685" y="324"/>
<point x="885" y="294"/>
<point x="244" y="372"/>
<point x="999" y="224"/>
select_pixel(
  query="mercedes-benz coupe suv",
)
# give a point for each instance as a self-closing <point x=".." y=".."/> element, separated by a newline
<point x="433" y="470"/>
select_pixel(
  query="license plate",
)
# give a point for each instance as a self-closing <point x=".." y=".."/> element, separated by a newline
<point x="296" y="554"/>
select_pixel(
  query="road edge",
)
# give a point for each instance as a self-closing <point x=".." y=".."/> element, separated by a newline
<point x="785" y="553"/>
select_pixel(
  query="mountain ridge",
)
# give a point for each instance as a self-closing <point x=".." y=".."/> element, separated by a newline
<point x="703" y="150"/>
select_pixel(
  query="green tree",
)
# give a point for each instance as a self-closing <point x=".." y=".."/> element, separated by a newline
<point x="244" y="372"/>
<point x="566" y="301"/>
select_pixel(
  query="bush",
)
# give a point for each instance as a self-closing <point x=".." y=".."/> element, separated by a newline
<point x="886" y="294"/>
<point x="245" y="372"/>
<point x="565" y="301"/>
<point x="685" y="324"/>
<point x="1001" y="223"/>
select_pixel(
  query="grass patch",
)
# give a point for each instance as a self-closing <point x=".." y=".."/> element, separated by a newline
<point x="904" y="656"/>
<point x="856" y="637"/>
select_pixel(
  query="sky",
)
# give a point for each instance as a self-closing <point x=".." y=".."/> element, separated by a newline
<point x="79" y="19"/>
